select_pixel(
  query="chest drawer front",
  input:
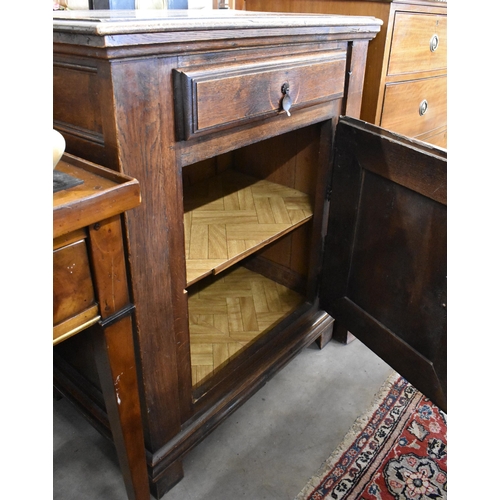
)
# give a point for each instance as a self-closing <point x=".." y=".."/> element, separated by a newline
<point x="73" y="292"/>
<point x="418" y="43"/>
<point x="438" y="138"/>
<point x="222" y="97"/>
<point x="416" y="107"/>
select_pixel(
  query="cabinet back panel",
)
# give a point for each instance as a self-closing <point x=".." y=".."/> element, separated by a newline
<point x="290" y="252"/>
<point x="289" y="159"/>
<point x="205" y="169"/>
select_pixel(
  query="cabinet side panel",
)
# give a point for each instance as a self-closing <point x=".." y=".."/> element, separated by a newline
<point x="76" y="111"/>
<point x="144" y="136"/>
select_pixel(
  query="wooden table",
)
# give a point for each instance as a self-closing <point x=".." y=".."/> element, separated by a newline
<point x="91" y="295"/>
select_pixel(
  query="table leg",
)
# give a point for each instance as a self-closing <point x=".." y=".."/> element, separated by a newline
<point x="115" y="359"/>
<point x="115" y="355"/>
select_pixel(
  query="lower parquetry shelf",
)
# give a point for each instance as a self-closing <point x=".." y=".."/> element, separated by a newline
<point x="232" y="215"/>
<point x="228" y="312"/>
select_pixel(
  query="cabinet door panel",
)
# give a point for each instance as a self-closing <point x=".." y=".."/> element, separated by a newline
<point x="384" y="269"/>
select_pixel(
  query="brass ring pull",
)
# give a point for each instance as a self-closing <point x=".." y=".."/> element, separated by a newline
<point x="434" y="43"/>
<point x="286" y="102"/>
<point x="422" y="109"/>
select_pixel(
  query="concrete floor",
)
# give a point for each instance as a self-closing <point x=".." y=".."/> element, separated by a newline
<point x="266" y="450"/>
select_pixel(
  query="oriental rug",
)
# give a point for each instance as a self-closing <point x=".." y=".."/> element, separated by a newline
<point x="396" y="450"/>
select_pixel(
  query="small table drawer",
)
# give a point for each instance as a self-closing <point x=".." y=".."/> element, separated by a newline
<point x="224" y="96"/>
<point x="74" y="301"/>
<point x="415" y="107"/>
<point x="418" y="43"/>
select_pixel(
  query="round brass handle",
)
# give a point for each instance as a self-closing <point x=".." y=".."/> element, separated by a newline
<point x="433" y="44"/>
<point x="422" y="108"/>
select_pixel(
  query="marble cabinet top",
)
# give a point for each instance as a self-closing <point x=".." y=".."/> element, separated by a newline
<point x="113" y="22"/>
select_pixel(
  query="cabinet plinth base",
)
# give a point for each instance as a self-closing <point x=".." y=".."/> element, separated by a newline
<point x="168" y="479"/>
<point x="341" y="334"/>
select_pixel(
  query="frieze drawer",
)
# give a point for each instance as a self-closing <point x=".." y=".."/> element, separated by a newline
<point x="74" y="301"/>
<point x="219" y="97"/>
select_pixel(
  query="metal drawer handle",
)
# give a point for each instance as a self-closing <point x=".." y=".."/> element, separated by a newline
<point x="422" y="109"/>
<point x="286" y="102"/>
<point x="434" y="43"/>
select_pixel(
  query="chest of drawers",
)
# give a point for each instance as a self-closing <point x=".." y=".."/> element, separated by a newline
<point x="405" y="87"/>
<point x="227" y="120"/>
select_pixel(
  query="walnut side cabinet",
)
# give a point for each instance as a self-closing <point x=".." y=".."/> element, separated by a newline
<point x="405" y="87"/>
<point x="228" y="120"/>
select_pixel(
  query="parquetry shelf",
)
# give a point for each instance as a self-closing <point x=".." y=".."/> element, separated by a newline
<point x="232" y="216"/>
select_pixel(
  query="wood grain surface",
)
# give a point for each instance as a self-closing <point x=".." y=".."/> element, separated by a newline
<point x="232" y="215"/>
<point x="229" y="314"/>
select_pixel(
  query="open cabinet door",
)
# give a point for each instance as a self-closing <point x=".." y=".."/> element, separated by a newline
<point x="384" y="267"/>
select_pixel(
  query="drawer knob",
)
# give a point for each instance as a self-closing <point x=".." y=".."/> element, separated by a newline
<point x="422" y="109"/>
<point x="434" y="43"/>
<point x="286" y="102"/>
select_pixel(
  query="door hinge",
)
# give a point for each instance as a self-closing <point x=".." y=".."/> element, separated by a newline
<point x="329" y="192"/>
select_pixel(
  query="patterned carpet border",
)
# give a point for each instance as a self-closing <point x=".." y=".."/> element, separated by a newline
<point x="376" y="458"/>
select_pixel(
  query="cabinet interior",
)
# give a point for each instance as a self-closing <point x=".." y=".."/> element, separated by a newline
<point x="247" y="226"/>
